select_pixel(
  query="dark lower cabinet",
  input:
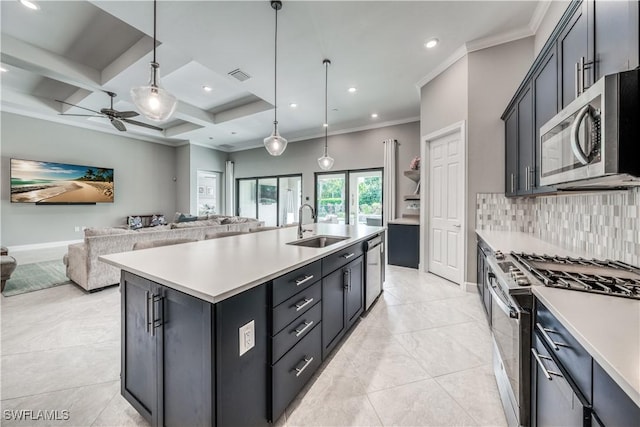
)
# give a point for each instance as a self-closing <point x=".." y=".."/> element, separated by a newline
<point x="611" y="405"/>
<point x="165" y="333"/>
<point x="555" y="401"/>
<point x="403" y="245"/>
<point x="342" y="302"/>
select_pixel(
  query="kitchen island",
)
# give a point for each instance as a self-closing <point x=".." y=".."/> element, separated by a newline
<point x="227" y="331"/>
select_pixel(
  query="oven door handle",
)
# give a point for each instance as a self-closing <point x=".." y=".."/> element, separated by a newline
<point x="575" y="135"/>
<point x="508" y="309"/>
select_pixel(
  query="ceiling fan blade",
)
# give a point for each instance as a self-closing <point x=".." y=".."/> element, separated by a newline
<point x="81" y="115"/>
<point x="77" y="106"/>
<point x="137" y="123"/>
<point x="118" y="125"/>
<point x="108" y="111"/>
<point x="126" y="114"/>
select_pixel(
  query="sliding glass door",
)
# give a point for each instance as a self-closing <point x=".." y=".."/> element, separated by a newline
<point x="274" y="200"/>
<point x="349" y="197"/>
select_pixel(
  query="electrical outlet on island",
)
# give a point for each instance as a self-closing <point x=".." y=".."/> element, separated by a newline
<point x="246" y="337"/>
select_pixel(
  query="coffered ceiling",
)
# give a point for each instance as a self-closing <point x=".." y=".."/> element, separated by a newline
<point x="75" y="50"/>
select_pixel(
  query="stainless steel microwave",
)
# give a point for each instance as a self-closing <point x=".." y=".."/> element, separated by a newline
<point x="594" y="142"/>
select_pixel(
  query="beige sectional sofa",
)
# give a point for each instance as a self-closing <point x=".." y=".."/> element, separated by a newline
<point x="84" y="268"/>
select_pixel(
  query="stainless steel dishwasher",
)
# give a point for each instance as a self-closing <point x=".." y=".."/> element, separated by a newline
<point x="375" y="270"/>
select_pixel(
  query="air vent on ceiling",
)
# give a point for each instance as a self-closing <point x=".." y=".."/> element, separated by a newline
<point x="239" y="75"/>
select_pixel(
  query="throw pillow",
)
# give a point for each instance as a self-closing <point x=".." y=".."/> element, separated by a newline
<point x="157" y="220"/>
<point x="134" y="222"/>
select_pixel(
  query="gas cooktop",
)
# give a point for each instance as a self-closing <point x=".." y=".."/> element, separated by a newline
<point x="613" y="278"/>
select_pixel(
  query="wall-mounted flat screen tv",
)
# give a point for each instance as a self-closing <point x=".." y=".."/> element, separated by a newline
<point x="59" y="183"/>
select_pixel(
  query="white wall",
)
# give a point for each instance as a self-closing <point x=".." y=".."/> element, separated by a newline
<point x="551" y="18"/>
<point x="356" y="150"/>
<point x="143" y="178"/>
<point x="477" y="89"/>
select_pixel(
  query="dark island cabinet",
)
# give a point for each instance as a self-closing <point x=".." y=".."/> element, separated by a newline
<point x="165" y="334"/>
<point x="342" y="302"/>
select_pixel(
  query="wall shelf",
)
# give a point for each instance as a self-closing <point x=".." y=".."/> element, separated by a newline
<point x="413" y="175"/>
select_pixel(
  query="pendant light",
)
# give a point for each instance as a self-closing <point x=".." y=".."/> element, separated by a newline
<point x="154" y="102"/>
<point x="326" y="162"/>
<point x="275" y="144"/>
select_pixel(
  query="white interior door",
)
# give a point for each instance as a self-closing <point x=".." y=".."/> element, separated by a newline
<point x="446" y="202"/>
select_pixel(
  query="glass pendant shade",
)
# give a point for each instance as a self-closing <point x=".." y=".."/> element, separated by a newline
<point x="154" y="102"/>
<point x="275" y="144"/>
<point x="325" y="162"/>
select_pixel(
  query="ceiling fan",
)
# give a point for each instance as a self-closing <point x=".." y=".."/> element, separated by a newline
<point x="116" y="117"/>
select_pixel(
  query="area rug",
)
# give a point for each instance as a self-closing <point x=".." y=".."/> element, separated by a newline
<point x="34" y="277"/>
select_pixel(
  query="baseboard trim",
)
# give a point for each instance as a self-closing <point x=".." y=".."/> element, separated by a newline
<point x="470" y="287"/>
<point x="47" y="245"/>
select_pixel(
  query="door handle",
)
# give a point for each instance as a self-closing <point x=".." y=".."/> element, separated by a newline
<point x="457" y="225"/>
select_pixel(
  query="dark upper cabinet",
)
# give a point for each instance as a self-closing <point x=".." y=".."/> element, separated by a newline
<point x="525" y="143"/>
<point x="511" y="151"/>
<point x="575" y="52"/>
<point x="616" y="36"/>
<point x="545" y="99"/>
<point x="592" y="39"/>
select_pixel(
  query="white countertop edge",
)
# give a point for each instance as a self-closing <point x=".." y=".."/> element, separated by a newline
<point x="625" y="385"/>
<point x="238" y="290"/>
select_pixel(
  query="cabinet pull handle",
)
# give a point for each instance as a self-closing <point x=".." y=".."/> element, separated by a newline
<point x="512" y="182"/>
<point x="526" y="171"/>
<point x="306" y="363"/>
<point x="300" y="280"/>
<point x="299" y="306"/>
<point x="146" y="311"/>
<point x="306" y="326"/>
<point x="545" y="333"/>
<point x="578" y="74"/>
<point x="347" y="256"/>
<point x="152" y="320"/>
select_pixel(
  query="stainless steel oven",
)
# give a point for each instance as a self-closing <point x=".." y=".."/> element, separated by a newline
<point x="592" y="142"/>
<point x="511" y="331"/>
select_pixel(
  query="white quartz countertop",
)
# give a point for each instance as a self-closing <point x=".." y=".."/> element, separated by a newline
<point x="216" y="269"/>
<point x="607" y="327"/>
<point x="514" y="241"/>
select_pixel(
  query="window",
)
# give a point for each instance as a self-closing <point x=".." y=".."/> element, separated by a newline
<point x="207" y="192"/>
<point x="274" y="200"/>
<point x="349" y="197"/>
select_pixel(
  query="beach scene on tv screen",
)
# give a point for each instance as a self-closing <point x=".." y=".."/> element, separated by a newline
<point x="48" y="182"/>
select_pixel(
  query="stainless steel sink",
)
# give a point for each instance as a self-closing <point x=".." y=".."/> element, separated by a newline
<point x="318" y="241"/>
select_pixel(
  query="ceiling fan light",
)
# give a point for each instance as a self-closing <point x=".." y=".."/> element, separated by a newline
<point x="154" y="102"/>
<point x="275" y="144"/>
<point x="325" y="162"/>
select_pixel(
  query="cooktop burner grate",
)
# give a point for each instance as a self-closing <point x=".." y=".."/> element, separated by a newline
<point x="588" y="275"/>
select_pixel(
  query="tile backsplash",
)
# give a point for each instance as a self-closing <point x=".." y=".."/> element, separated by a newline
<point x="604" y="225"/>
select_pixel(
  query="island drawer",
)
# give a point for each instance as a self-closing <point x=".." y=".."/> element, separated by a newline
<point x="293" y="282"/>
<point x="293" y="371"/>
<point x="571" y="355"/>
<point x="295" y="306"/>
<point x="295" y="331"/>
<point x="334" y="261"/>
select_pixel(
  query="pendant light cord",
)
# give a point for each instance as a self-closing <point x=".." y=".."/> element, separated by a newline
<point x="275" y="77"/>
<point x="326" y="104"/>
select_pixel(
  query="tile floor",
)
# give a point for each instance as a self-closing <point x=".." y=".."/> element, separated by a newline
<point x="420" y="358"/>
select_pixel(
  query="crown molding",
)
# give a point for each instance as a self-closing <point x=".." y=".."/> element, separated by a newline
<point x="452" y="59"/>
<point x="498" y="39"/>
<point x="538" y="15"/>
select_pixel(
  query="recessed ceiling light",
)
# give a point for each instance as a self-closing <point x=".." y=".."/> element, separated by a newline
<point x="207" y="88"/>
<point x="374" y="115"/>
<point x="3" y="70"/>
<point x="352" y="90"/>
<point x="31" y="5"/>
<point x="431" y="43"/>
<point x="325" y="125"/>
<point x="293" y="105"/>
